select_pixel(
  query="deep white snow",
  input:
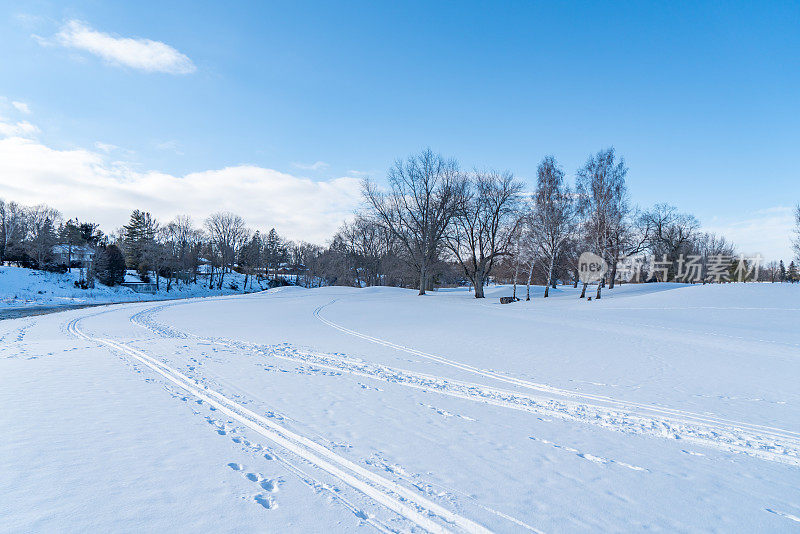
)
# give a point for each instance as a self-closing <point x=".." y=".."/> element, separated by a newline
<point x="659" y="407"/>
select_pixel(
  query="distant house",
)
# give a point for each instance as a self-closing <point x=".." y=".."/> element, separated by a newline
<point x="141" y="287"/>
<point x="80" y="255"/>
<point x="133" y="281"/>
<point x="291" y="269"/>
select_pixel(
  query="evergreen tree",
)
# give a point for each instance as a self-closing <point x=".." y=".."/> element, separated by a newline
<point x="792" y="275"/>
<point x="70" y="235"/>
<point x="109" y="265"/>
<point x="781" y="272"/>
<point x="138" y="235"/>
<point x="274" y="251"/>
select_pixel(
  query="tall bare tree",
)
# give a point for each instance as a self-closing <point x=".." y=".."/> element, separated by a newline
<point x="424" y="193"/>
<point x="13" y="227"/>
<point x="552" y="217"/>
<point x="602" y="199"/>
<point x="227" y="233"/>
<point x="484" y="224"/>
<point x="670" y="233"/>
<point x="42" y="222"/>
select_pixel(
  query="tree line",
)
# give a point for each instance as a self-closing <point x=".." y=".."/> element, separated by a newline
<point x="434" y="224"/>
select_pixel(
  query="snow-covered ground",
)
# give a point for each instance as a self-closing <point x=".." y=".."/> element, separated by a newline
<point x="659" y="407"/>
<point x="22" y="288"/>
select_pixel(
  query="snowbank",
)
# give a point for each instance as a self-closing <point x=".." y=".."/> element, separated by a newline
<point x="20" y="287"/>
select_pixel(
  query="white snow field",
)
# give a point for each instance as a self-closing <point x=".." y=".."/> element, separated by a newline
<point x="659" y="407"/>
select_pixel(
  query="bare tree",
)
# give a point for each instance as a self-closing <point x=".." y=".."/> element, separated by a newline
<point x="670" y="233"/>
<point x="552" y="217"/>
<point x="424" y="193"/>
<point x="708" y="246"/>
<point x="13" y="227"/>
<point x="42" y="221"/>
<point x="601" y="201"/>
<point x="228" y="233"/>
<point x="484" y="225"/>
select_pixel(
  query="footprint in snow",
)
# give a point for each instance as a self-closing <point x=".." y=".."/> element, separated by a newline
<point x="361" y="514"/>
<point x="235" y="466"/>
<point x="269" y="485"/>
<point x="266" y="501"/>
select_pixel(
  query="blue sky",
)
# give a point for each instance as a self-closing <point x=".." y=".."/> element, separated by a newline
<point x="702" y="101"/>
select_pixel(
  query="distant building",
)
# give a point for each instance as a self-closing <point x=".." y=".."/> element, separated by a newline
<point x="291" y="269"/>
<point x="81" y="255"/>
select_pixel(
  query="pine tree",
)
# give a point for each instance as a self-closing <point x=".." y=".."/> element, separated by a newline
<point x="139" y="233"/>
<point x="71" y="236"/>
<point x="110" y="265"/>
<point x="781" y="272"/>
<point x="272" y="251"/>
<point x="792" y="274"/>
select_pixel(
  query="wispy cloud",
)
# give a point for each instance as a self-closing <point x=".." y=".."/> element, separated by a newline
<point x="105" y="147"/>
<point x="137" y="53"/>
<point x="171" y="145"/>
<point x="316" y="166"/>
<point x="22" y="107"/>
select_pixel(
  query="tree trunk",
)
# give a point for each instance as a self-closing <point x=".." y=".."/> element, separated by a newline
<point x="613" y="274"/>
<point x="583" y="291"/>
<point x="549" y="277"/>
<point x="530" y="276"/>
<point x="478" y="288"/>
<point x="423" y="280"/>
<point x="600" y="287"/>
<point x="516" y="274"/>
<point x="479" y="278"/>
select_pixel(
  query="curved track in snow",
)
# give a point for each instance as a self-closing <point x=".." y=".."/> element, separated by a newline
<point x="766" y="443"/>
<point x="417" y="509"/>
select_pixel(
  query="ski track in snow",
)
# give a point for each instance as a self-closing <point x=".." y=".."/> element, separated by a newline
<point x="397" y="498"/>
<point x="766" y="443"/>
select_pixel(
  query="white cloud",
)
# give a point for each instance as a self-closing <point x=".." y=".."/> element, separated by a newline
<point x="143" y="54"/>
<point x="171" y="146"/>
<point x="767" y="232"/>
<point x="22" y="107"/>
<point x="105" y="147"/>
<point x="17" y="129"/>
<point x="316" y="166"/>
<point x="84" y="183"/>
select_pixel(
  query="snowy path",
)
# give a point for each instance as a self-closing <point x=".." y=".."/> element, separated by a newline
<point x="308" y="410"/>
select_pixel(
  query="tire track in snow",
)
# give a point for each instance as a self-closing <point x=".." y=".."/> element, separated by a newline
<point x="391" y="495"/>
